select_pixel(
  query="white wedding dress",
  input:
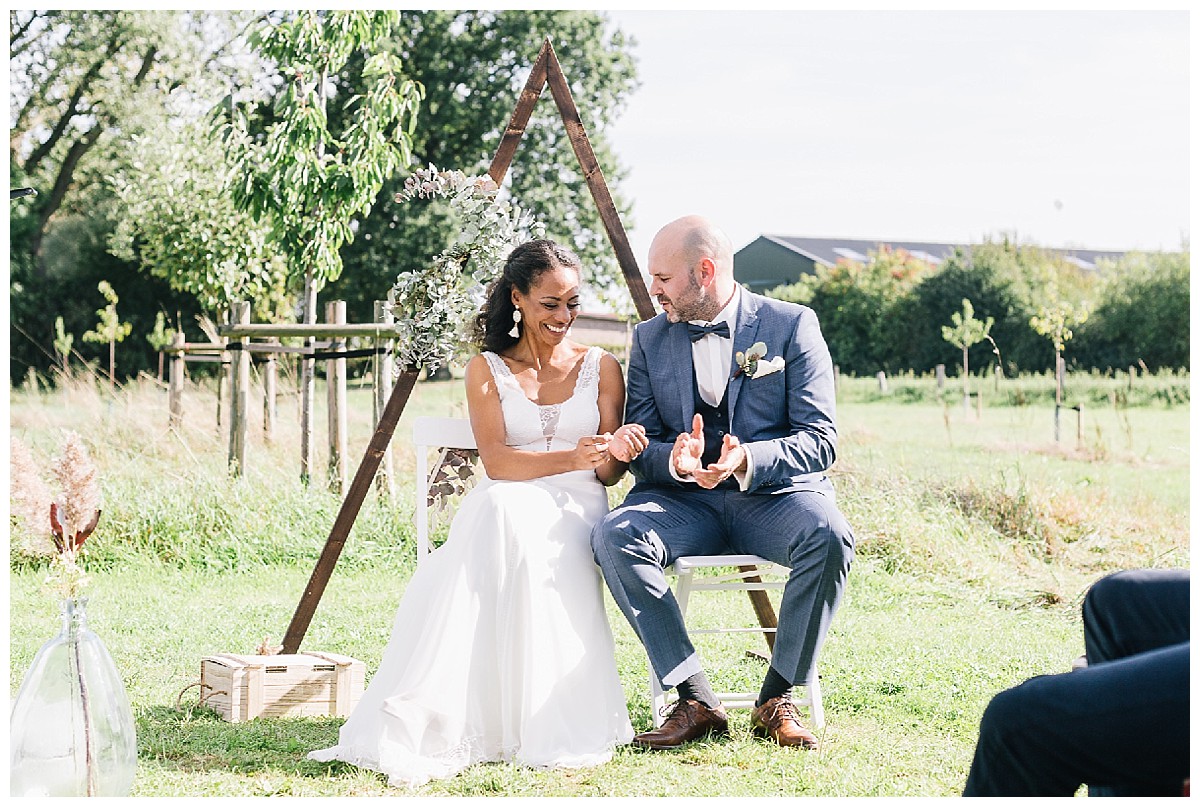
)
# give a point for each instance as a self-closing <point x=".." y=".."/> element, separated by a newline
<point x="501" y="649"/>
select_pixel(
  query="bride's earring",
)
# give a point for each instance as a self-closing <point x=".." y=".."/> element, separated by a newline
<point x="515" y="333"/>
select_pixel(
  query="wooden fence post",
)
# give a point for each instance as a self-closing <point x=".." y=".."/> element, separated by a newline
<point x="239" y="392"/>
<point x="1079" y="426"/>
<point x="175" y="381"/>
<point x="939" y="373"/>
<point x="1060" y="368"/>
<point x="270" y="392"/>
<point x="222" y="385"/>
<point x="307" y="382"/>
<point x="335" y="381"/>
<point x="383" y="376"/>
<point x="881" y="377"/>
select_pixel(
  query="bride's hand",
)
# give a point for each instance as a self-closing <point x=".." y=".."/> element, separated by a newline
<point x="592" y="450"/>
<point x="628" y="442"/>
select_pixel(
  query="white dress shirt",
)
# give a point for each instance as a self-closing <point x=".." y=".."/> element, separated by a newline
<point x="712" y="355"/>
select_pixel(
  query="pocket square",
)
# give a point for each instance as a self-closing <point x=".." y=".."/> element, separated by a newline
<point x="768" y="367"/>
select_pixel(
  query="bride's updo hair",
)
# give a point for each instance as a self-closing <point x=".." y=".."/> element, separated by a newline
<point x="522" y="268"/>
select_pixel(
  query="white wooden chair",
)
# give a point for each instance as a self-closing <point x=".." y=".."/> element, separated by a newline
<point x="741" y="573"/>
<point x="441" y="433"/>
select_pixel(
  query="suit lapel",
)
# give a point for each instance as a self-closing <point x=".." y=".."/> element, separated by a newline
<point x="681" y="361"/>
<point x="747" y="331"/>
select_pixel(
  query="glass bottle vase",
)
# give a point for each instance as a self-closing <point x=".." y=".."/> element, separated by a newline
<point x="71" y="731"/>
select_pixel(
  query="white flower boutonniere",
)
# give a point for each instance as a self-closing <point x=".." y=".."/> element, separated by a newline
<point x="748" y="362"/>
<point x="751" y="362"/>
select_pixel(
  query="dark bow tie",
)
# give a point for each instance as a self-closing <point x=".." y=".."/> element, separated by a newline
<point x="695" y="332"/>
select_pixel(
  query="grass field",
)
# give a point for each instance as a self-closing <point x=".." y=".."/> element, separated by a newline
<point x="976" y="541"/>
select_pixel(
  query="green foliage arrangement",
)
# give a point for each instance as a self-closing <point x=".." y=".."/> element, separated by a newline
<point x="433" y="308"/>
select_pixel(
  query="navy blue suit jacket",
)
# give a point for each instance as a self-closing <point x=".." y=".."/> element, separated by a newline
<point x="786" y="418"/>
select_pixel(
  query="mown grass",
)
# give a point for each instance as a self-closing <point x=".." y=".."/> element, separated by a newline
<point x="976" y="541"/>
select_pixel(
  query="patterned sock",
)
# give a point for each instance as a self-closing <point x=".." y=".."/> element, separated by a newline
<point x="697" y="688"/>
<point x="774" y="686"/>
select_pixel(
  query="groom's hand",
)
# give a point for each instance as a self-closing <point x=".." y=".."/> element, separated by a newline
<point x="733" y="458"/>
<point x="689" y="448"/>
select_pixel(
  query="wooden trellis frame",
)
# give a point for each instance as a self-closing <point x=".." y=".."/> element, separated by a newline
<point x="546" y="71"/>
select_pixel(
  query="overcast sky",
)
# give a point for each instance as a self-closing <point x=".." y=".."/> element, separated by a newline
<point x="1066" y="128"/>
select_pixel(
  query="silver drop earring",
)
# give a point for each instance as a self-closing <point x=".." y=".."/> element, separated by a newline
<point x="515" y="333"/>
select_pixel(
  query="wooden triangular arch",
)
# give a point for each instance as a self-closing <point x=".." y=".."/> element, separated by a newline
<point x="546" y="71"/>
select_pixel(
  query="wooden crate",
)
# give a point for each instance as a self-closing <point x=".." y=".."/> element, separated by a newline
<point x="297" y="685"/>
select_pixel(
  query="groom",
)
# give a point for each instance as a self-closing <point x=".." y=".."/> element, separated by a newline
<point x="735" y="464"/>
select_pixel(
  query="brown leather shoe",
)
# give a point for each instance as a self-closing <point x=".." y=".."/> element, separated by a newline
<point x="687" y="721"/>
<point x="779" y="720"/>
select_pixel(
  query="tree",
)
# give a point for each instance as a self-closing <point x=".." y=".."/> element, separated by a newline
<point x="109" y="329"/>
<point x="963" y="332"/>
<point x="1143" y="314"/>
<point x="84" y="83"/>
<point x="176" y="219"/>
<point x="860" y="307"/>
<point x="63" y="342"/>
<point x="308" y="180"/>
<point x="81" y="83"/>
<point x="160" y="339"/>
<point x="1055" y="321"/>
<point x="473" y="66"/>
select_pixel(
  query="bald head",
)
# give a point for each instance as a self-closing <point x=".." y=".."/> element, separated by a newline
<point x="691" y="268"/>
<point x="696" y="238"/>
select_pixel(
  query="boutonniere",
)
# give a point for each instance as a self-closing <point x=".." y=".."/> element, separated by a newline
<point x="751" y="362"/>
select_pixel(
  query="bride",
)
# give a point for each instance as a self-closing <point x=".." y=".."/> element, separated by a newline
<point x="501" y="649"/>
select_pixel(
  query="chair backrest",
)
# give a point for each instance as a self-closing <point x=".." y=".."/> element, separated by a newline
<point x="441" y="433"/>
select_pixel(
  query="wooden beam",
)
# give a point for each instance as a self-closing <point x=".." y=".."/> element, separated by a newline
<point x="520" y="116"/>
<point x="576" y="133"/>
<point x="364" y="477"/>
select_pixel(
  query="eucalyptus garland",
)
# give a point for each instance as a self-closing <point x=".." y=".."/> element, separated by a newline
<point x="434" y="308"/>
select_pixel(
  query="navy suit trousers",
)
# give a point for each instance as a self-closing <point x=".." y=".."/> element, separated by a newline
<point x="1119" y="725"/>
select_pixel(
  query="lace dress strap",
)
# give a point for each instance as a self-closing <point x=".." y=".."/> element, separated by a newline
<point x="589" y="373"/>
<point x="499" y="369"/>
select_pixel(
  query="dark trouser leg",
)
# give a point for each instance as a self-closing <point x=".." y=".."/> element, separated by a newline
<point x="805" y="532"/>
<point x="1121" y="723"/>
<point x="1131" y="612"/>
<point x="632" y="546"/>
<point x="1134" y="611"/>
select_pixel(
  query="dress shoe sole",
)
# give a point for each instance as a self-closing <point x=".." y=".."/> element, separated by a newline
<point x="716" y="731"/>
<point x="764" y="733"/>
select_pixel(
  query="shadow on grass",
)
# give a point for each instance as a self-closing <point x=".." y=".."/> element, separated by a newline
<point x="195" y="739"/>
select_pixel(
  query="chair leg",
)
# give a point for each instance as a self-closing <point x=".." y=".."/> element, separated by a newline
<point x="812" y="699"/>
<point x="658" y="697"/>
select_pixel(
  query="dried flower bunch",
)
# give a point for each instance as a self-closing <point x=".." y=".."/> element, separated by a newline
<point x="57" y="526"/>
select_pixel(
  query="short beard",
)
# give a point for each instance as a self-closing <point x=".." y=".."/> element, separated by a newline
<point x="696" y="306"/>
